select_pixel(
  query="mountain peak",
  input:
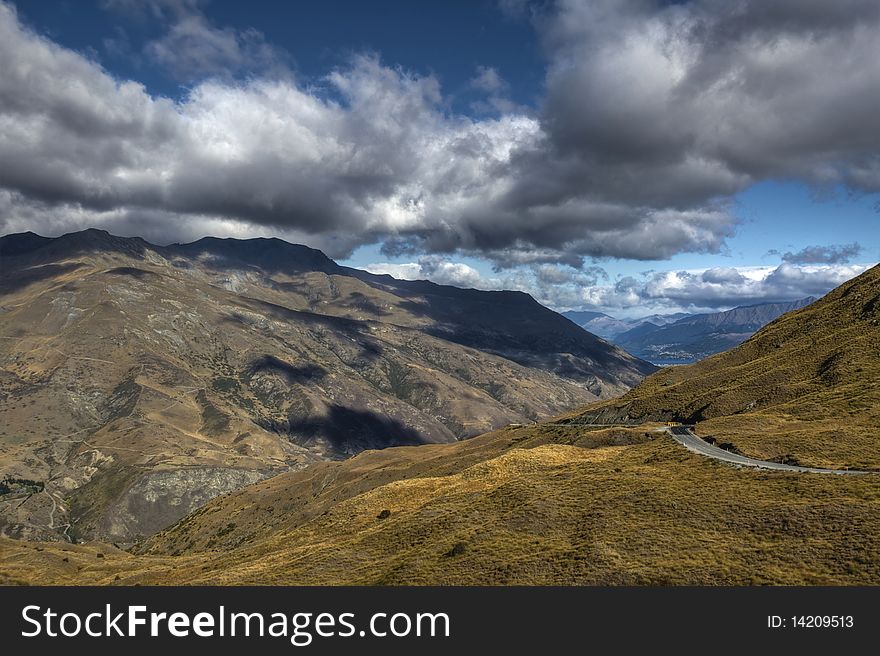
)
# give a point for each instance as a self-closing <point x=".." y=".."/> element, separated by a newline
<point x="269" y="253"/>
<point x="21" y="243"/>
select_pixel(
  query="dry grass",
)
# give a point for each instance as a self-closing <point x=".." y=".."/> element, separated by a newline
<point x="805" y="386"/>
<point x="571" y="504"/>
<point x="644" y="513"/>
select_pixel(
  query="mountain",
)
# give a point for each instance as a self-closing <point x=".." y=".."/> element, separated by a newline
<point x="598" y="323"/>
<point x="682" y="338"/>
<point x="139" y="381"/>
<point x="803" y="389"/>
<point x="696" y="336"/>
<point x="607" y="327"/>
<point x="567" y="501"/>
<point x="581" y="317"/>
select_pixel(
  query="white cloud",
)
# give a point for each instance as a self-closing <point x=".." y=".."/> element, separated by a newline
<point x="717" y="288"/>
<point x="193" y="48"/>
<point x="653" y="118"/>
<point x="488" y="80"/>
<point x="370" y="154"/>
<point x="435" y="269"/>
<point x="665" y="292"/>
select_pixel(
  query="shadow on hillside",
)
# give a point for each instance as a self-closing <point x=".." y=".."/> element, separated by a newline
<point x="370" y="348"/>
<point x="292" y="374"/>
<point x="349" y="430"/>
<point x="14" y="281"/>
<point x="133" y="272"/>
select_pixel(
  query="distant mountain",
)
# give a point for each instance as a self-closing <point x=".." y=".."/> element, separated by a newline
<point x="583" y="316"/>
<point x="660" y="319"/>
<point x="139" y="381"/>
<point x="608" y="328"/>
<point x="803" y="389"/>
<point x="697" y="336"/>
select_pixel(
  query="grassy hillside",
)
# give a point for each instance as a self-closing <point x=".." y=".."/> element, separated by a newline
<point x="567" y="502"/>
<point x="556" y="505"/>
<point x="805" y="388"/>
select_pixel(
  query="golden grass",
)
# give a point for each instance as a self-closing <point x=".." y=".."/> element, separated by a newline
<point x="806" y="386"/>
<point x="570" y="504"/>
<point x="645" y="513"/>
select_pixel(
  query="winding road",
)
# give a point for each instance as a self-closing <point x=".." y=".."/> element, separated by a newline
<point x="686" y="437"/>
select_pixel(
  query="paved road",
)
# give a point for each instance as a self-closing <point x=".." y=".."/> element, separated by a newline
<point x="684" y="436"/>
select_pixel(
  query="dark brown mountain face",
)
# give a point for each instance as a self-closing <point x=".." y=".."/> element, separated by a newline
<point x="140" y="381"/>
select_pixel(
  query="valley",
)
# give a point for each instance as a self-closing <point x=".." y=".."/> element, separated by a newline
<point x="138" y="381"/>
<point x="570" y="501"/>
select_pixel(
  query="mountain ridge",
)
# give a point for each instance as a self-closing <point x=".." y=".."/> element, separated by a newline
<point x="132" y="371"/>
<point x="569" y="502"/>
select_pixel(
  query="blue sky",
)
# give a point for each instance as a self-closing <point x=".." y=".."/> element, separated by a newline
<point x="598" y="155"/>
<point x="319" y="37"/>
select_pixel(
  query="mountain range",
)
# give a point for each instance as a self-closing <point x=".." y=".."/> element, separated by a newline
<point x="683" y="338"/>
<point x="608" y="327"/>
<point x="570" y="501"/>
<point x="139" y="381"/>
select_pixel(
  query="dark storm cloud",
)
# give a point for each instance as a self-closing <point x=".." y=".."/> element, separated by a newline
<point x="654" y="115"/>
<point x="837" y="254"/>
<point x="672" y="106"/>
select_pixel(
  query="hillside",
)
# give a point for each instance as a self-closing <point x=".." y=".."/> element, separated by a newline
<point x="139" y="381"/>
<point x="697" y="336"/>
<point x="567" y="502"/>
<point x="804" y="389"/>
<point x="535" y="505"/>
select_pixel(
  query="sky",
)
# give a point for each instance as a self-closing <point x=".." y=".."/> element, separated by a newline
<point x="630" y="156"/>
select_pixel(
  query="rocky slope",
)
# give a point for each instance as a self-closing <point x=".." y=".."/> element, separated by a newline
<point x="139" y="381"/>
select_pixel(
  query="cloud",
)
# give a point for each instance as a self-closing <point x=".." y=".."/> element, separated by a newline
<point x="495" y="93"/>
<point x="435" y="269"/>
<point x="654" y="116"/>
<point x="191" y="48"/>
<point x="552" y="285"/>
<point x="488" y="80"/>
<point x="722" y="276"/>
<point x="661" y="292"/>
<point x="717" y="288"/>
<point x="822" y="254"/>
<point x="671" y="106"/>
<point x="369" y="154"/>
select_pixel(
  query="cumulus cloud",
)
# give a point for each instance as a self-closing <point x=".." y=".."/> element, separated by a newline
<point x="372" y="154"/>
<point x="717" y="288"/>
<point x="654" y="115"/>
<point x="193" y="48"/>
<point x="673" y="105"/>
<point x="488" y="80"/>
<point x="495" y="93"/>
<point x="435" y="269"/>
<point x="821" y="254"/>
<point x="555" y="286"/>
<point x="660" y="292"/>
